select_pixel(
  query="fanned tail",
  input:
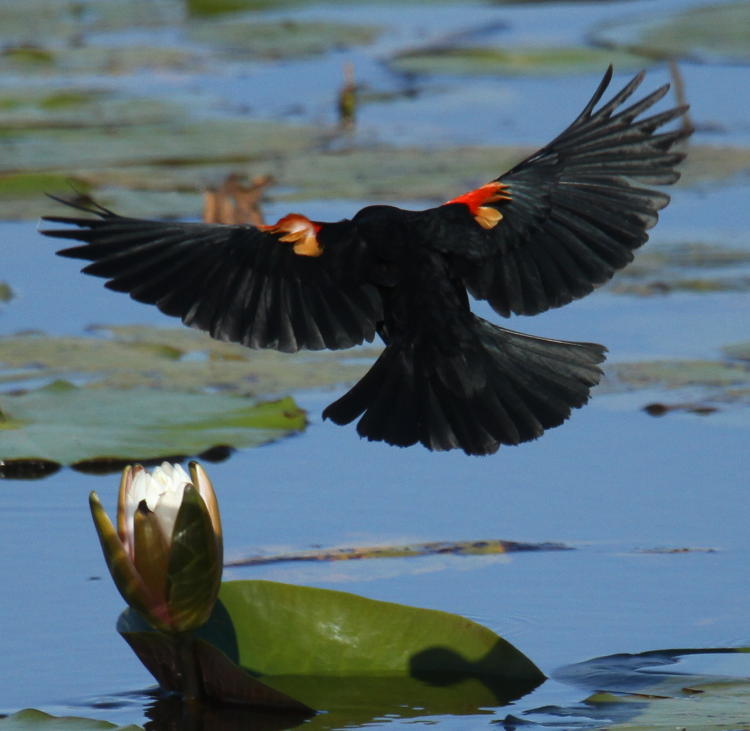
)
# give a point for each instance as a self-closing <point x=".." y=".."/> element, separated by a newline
<point x="505" y="389"/>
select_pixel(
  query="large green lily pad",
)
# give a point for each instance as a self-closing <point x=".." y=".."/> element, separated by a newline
<point x="148" y="393"/>
<point x="77" y="425"/>
<point x="337" y="651"/>
<point x="716" y="32"/>
<point x="481" y="60"/>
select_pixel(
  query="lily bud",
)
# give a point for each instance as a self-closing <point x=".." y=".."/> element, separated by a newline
<point x="166" y="554"/>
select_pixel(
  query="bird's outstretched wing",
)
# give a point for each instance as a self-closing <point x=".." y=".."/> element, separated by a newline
<point x="566" y="218"/>
<point x="295" y="284"/>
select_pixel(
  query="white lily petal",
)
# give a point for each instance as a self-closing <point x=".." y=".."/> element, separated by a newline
<point x="162" y="491"/>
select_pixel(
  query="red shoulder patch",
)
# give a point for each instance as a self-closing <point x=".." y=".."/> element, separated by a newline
<point x="298" y="230"/>
<point x="476" y="201"/>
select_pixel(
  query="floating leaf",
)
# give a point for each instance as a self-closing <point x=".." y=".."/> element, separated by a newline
<point x="456" y="548"/>
<point x="639" y="693"/>
<point x="331" y="649"/>
<point x="280" y="39"/>
<point x="738" y="351"/>
<point x="75" y="425"/>
<point x="83" y="107"/>
<point x="175" y="359"/>
<point x="686" y="266"/>
<point x="680" y="373"/>
<point x="545" y="60"/>
<point x="719" y="32"/>
<point x="30" y="719"/>
<point x="24" y="185"/>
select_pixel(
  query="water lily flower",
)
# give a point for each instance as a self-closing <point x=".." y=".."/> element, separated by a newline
<point x="166" y="554"/>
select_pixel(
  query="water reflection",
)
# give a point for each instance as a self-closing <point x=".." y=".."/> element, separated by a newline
<point x="347" y="703"/>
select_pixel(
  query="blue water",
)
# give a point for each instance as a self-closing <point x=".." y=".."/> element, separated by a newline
<point x="610" y="483"/>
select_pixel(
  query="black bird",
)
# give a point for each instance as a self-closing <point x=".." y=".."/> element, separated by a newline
<point x="547" y="232"/>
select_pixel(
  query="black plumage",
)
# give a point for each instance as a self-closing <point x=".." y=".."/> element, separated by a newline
<point x="548" y="231"/>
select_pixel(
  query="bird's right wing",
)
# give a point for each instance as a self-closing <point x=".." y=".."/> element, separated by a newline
<point x="293" y="285"/>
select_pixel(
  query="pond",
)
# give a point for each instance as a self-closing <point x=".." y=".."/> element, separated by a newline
<point x="654" y="509"/>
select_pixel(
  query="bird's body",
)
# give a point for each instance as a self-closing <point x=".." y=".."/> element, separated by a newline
<point x="547" y="232"/>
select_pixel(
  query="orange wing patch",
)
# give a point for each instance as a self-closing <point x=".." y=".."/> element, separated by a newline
<point x="475" y="200"/>
<point x="300" y="231"/>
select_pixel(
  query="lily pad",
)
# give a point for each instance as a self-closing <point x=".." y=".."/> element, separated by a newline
<point x="546" y="61"/>
<point x="76" y="425"/>
<point x="711" y="381"/>
<point x="280" y="39"/>
<point x="180" y="143"/>
<point x="640" y="693"/>
<point x="717" y="32"/>
<point x="28" y="21"/>
<point x="441" y="548"/>
<point x="95" y="59"/>
<point x="738" y="351"/>
<point x="331" y="649"/>
<point x="30" y="719"/>
<point x="15" y="186"/>
<point x="691" y="266"/>
<point x="82" y="107"/>
<point x="176" y="359"/>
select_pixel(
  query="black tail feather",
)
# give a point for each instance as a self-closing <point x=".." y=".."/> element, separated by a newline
<point x="507" y="389"/>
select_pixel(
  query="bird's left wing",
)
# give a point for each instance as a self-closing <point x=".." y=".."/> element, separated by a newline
<point x="295" y="284"/>
<point x="565" y="219"/>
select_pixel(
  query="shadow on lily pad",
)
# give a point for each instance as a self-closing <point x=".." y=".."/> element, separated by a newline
<point x="279" y="646"/>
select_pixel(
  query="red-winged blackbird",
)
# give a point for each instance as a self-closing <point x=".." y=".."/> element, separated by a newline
<point x="545" y="233"/>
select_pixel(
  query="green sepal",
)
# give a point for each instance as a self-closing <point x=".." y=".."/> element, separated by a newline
<point x="151" y="556"/>
<point x="127" y="580"/>
<point x="194" y="573"/>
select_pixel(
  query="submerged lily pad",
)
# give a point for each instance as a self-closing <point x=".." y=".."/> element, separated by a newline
<point x="337" y="652"/>
<point x="512" y="61"/>
<point x="71" y="425"/>
<point x="641" y="693"/>
<point x="716" y="32"/>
